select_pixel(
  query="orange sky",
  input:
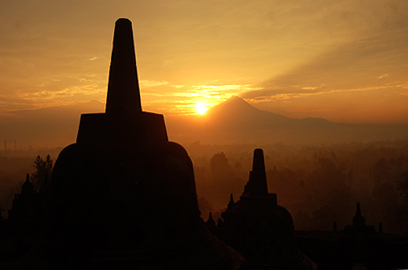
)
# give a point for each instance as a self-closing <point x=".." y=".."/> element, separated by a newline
<point x="345" y="61"/>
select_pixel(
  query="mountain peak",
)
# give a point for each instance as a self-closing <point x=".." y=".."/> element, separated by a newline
<point x="235" y="111"/>
<point x="237" y="100"/>
<point x="233" y="105"/>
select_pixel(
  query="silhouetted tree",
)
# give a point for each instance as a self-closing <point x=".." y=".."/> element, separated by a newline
<point x="402" y="211"/>
<point x="403" y="186"/>
<point x="220" y="166"/>
<point x="43" y="170"/>
<point x="222" y="171"/>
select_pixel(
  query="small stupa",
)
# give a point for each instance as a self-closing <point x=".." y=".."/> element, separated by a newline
<point x="123" y="196"/>
<point x="260" y="229"/>
<point x="358" y="219"/>
<point x="359" y="223"/>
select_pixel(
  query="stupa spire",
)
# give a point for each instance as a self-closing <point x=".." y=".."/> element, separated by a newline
<point x="258" y="163"/>
<point x="358" y="210"/>
<point x="123" y="87"/>
<point x="358" y="219"/>
<point x="257" y="185"/>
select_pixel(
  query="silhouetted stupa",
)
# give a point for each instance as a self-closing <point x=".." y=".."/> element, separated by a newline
<point x="123" y="196"/>
<point x="359" y="223"/>
<point x="261" y="230"/>
<point x="25" y="207"/>
<point x="358" y="219"/>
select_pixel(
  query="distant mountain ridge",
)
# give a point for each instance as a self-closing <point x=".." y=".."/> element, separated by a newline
<point x="237" y="108"/>
<point x="237" y="121"/>
<point x="236" y="111"/>
<point x="234" y="121"/>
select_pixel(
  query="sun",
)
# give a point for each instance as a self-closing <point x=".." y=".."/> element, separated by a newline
<point x="200" y="108"/>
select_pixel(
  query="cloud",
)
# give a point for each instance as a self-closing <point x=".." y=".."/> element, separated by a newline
<point x="383" y="76"/>
<point x="289" y="91"/>
<point x="354" y="66"/>
<point x="148" y="83"/>
<point x="367" y="51"/>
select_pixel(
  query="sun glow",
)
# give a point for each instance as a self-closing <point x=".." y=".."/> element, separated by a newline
<point x="200" y="108"/>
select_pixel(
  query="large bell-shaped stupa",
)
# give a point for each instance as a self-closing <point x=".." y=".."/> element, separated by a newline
<point x="260" y="229"/>
<point x="123" y="196"/>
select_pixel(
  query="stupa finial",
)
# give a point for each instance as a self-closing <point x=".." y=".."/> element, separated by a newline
<point x="123" y="88"/>
<point x="358" y="219"/>
<point x="258" y="162"/>
<point x="257" y="185"/>
<point x="358" y="210"/>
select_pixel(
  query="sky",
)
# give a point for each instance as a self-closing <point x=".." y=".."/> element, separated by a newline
<point x="345" y="61"/>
